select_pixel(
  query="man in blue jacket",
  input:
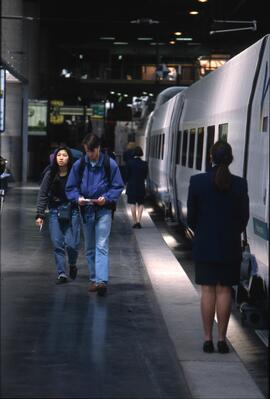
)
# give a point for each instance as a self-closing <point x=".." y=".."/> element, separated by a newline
<point x="89" y="185"/>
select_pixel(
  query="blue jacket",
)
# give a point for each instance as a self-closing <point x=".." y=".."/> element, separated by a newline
<point x="217" y="218"/>
<point x="94" y="183"/>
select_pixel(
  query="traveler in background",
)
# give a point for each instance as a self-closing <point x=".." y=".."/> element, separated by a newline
<point x="136" y="174"/>
<point x="127" y="155"/>
<point x="96" y="196"/>
<point x="65" y="234"/>
<point x="218" y="212"/>
<point x="129" y="152"/>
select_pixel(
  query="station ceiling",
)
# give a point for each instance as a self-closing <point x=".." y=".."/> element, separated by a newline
<point x="83" y="25"/>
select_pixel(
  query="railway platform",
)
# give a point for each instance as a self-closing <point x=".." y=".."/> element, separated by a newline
<point x="142" y="340"/>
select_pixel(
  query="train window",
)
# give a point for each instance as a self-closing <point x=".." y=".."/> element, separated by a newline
<point x="162" y="145"/>
<point x="184" y="149"/>
<point x="223" y="131"/>
<point x="159" y="146"/>
<point x="191" y="148"/>
<point x="178" y="147"/>
<point x="199" y="148"/>
<point x="210" y="142"/>
<point x="265" y="124"/>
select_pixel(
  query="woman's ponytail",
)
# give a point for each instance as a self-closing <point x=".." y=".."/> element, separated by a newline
<point x="222" y="157"/>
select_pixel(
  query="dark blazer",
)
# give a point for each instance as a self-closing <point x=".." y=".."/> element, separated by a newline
<point x="217" y="218"/>
<point x="136" y="175"/>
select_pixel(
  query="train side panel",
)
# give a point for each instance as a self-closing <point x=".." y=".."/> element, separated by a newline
<point x="258" y="168"/>
<point x="159" y="152"/>
<point x="218" y="104"/>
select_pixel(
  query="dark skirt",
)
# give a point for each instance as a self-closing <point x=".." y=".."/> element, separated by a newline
<point x="135" y="199"/>
<point x="213" y="273"/>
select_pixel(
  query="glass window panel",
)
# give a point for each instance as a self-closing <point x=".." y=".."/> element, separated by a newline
<point x="199" y="148"/>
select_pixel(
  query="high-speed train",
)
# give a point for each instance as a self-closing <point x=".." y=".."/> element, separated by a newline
<point x="231" y="103"/>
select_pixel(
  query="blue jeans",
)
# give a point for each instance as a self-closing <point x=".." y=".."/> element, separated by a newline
<point x="65" y="238"/>
<point x="96" y="229"/>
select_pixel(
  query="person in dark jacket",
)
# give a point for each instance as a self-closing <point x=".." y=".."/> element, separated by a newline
<point x="65" y="234"/>
<point x="95" y="194"/>
<point x="136" y="174"/>
<point x="218" y="212"/>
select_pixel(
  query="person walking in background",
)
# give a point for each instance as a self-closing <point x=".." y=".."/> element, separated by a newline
<point x="128" y="154"/>
<point x="218" y="212"/>
<point x="136" y="174"/>
<point x="64" y="220"/>
<point x="89" y="186"/>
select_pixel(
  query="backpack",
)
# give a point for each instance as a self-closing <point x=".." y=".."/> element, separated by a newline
<point x="107" y="170"/>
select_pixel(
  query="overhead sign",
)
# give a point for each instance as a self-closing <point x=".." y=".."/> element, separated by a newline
<point x="55" y="116"/>
<point x="96" y="111"/>
<point x="2" y="99"/>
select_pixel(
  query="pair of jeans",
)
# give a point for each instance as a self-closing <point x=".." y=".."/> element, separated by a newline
<point x="96" y="228"/>
<point x="65" y="238"/>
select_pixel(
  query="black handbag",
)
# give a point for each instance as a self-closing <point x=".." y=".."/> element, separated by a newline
<point x="64" y="212"/>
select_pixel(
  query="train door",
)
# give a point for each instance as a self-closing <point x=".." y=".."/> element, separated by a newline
<point x="175" y="150"/>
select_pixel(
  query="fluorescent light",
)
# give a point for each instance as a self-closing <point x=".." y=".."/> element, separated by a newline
<point x="120" y="43"/>
<point x="184" y="39"/>
<point x="144" y="38"/>
<point x="159" y="44"/>
<point x="107" y="38"/>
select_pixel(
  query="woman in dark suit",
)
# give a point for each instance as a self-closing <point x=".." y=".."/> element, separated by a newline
<point x="218" y="212"/>
<point x="136" y="175"/>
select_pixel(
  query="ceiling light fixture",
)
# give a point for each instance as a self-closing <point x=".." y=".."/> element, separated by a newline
<point x="193" y="12"/>
<point x="157" y="44"/>
<point x="107" y="38"/>
<point x="252" y="27"/>
<point x="146" y="21"/>
<point x="120" y="43"/>
<point x="184" y="39"/>
<point x="178" y="33"/>
<point x="144" y="38"/>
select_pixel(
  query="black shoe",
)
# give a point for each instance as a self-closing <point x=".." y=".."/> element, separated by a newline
<point x="223" y="347"/>
<point x="137" y="226"/>
<point x="73" y="270"/>
<point x="208" y="347"/>
<point x="61" y="280"/>
<point x="101" y="289"/>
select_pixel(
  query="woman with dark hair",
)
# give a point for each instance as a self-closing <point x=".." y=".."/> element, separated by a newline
<point x="136" y="174"/>
<point x="64" y="221"/>
<point x="218" y="212"/>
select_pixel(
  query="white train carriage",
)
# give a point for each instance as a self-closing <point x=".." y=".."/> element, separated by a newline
<point x="158" y="138"/>
<point x="231" y="103"/>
